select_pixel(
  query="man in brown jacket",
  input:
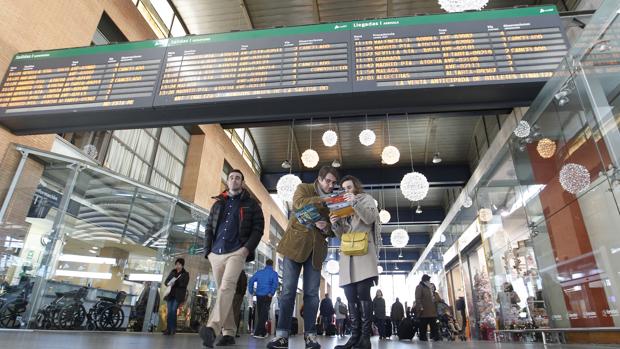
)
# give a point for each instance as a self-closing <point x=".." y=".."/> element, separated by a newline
<point x="304" y="247"/>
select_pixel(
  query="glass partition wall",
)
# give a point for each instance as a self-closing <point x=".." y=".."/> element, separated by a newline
<point x="532" y="241"/>
<point x="84" y="248"/>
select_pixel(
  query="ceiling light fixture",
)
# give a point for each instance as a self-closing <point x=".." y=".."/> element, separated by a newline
<point x="419" y="209"/>
<point x="310" y="158"/>
<point x="332" y="266"/>
<point x="574" y="178"/>
<point x="399" y="237"/>
<point x="288" y="183"/>
<point x="336" y="163"/>
<point x="546" y="148"/>
<point x="485" y="214"/>
<point x="286" y="164"/>
<point x="436" y="158"/>
<point x="523" y="129"/>
<point x="367" y="137"/>
<point x="384" y="216"/>
<point x="330" y="137"/>
<point x="462" y="5"/>
<point x="414" y="185"/>
<point x="390" y="154"/>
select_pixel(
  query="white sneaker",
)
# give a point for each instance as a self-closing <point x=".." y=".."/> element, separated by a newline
<point x="311" y="342"/>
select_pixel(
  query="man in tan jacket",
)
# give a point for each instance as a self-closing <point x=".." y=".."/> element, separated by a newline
<point x="304" y="247"/>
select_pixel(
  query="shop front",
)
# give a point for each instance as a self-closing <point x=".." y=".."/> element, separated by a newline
<point x="85" y="248"/>
<point x="536" y="227"/>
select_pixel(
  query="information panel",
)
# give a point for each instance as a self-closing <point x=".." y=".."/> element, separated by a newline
<point x="422" y="52"/>
<point x="81" y="79"/>
<point x="460" y="61"/>
<point x="242" y="65"/>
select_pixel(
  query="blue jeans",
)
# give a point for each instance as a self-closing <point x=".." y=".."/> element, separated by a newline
<point x="173" y="305"/>
<point x="311" y="283"/>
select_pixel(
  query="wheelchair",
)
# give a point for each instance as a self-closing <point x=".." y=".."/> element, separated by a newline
<point x="65" y="312"/>
<point x="107" y="314"/>
<point x="13" y="304"/>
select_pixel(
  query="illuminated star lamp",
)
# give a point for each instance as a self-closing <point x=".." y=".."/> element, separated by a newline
<point x="399" y="238"/>
<point x="414" y="186"/>
<point x="286" y="186"/>
<point x="310" y="158"/>
<point x="390" y="155"/>
<point x="330" y="138"/>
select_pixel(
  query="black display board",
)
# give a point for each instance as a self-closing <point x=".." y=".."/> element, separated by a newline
<point x="462" y="61"/>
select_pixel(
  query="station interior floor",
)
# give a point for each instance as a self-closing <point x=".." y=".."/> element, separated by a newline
<point x="27" y="339"/>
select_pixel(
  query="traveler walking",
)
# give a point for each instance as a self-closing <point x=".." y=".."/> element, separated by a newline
<point x="379" y="310"/>
<point x="397" y="313"/>
<point x="326" y="311"/>
<point x="266" y="281"/>
<point x="177" y="282"/>
<point x="341" y="314"/>
<point x="234" y="229"/>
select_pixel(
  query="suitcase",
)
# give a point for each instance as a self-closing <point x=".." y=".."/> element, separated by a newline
<point x="294" y="326"/>
<point x="330" y="330"/>
<point x="406" y="329"/>
<point x="319" y="328"/>
<point x="387" y="328"/>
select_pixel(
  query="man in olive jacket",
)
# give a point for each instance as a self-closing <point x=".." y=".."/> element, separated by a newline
<point x="234" y="229"/>
<point x="304" y="247"/>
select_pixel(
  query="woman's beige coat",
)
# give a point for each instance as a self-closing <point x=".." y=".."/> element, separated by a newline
<point x="366" y="218"/>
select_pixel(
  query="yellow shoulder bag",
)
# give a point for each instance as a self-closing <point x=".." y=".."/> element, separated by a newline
<point x="354" y="243"/>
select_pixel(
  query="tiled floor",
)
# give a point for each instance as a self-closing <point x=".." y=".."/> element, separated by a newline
<point x="26" y="339"/>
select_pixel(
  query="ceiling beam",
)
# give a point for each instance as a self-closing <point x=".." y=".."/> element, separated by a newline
<point x="246" y="13"/>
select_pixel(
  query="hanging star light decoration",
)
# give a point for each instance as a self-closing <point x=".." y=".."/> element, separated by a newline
<point x="332" y="266"/>
<point x="523" y="129"/>
<point x="468" y="202"/>
<point x="286" y="186"/>
<point x="330" y="137"/>
<point x="414" y="186"/>
<point x="574" y="178"/>
<point x="462" y="5"/>
<point x="367" y="137"/>
<point x="390" y="155"/>
<point x="310" y="158"/>
<point x="384" y="216"/>
<point x="485" y="214"/>
<point x="399" y="238"/>
<point x="546" y="148"/>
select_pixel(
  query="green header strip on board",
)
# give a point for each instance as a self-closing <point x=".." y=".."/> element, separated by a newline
<point x="298" y="30"/>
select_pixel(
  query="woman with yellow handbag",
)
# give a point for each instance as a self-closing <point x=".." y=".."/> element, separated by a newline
<point x="360" y="236"/>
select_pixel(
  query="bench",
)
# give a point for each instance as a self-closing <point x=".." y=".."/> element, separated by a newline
<point x="557" y="331"/>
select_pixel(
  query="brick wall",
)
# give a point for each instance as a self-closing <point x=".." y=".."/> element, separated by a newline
<point x="203" y="167"/>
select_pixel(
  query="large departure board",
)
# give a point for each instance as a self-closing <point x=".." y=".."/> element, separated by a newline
<point x="389" y="54"/>
<point x="462" y="61"/>
<point x="104" y="77"/>
<point x="246" y="65"/>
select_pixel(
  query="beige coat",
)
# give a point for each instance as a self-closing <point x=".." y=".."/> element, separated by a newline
<point x="358" y="268"/>
<point x="299" y="242"/>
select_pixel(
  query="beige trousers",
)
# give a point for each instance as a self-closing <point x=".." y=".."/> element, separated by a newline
<point x="226" y="270"/>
